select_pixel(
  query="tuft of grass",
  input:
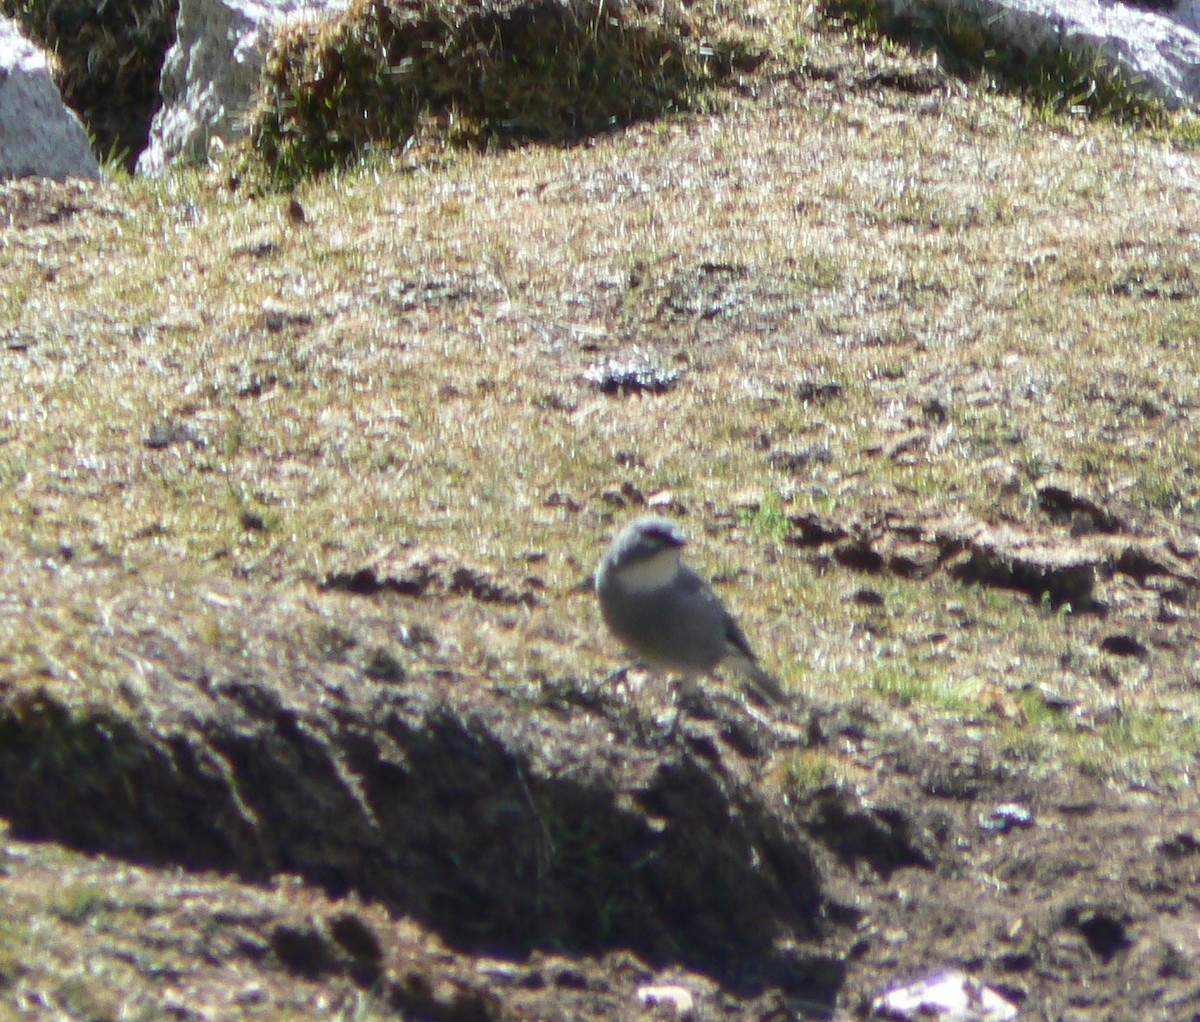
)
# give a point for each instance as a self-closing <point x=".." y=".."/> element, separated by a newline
<point x="768" y="517"/>
<point x="1184" y="132"/>
<point x="1142" y="747"/>
<point x="1065" y="82"/>
<point x="1038" y="713"/>
<point x="808" y="771"/>
<point x="903" y="684"/>
<point x="501" y="71"/>
<point x="79" y="903"/>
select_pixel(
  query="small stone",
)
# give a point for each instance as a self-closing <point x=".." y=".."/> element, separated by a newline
<point x="380" y="665"/>
<point x="677" y="998"/>
<point x="167" y="432"/>
<point x="1006" y="817"/>
<point x="633" y="376"/>
<point x="817" y="390"/>
<point x="946" y="994"/>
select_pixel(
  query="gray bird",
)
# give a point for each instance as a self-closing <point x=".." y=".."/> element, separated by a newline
<point x="668" y="615"/>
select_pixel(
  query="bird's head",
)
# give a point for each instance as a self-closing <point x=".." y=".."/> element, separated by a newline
<point x="645" y="554"/>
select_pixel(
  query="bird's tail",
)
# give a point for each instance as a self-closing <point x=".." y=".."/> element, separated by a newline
<point x="757" y="678"/>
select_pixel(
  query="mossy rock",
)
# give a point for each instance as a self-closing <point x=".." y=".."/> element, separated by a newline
<point x="480" y="71"/>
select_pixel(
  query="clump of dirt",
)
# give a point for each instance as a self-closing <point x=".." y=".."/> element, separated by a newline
<point x="501" y="825"/>
<point x="1060" y="566"/>
<point x="419" y="572"/>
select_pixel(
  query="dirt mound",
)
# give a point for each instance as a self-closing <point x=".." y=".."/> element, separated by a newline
<point x="511" y="827"/>
<point x="502" y="826"/>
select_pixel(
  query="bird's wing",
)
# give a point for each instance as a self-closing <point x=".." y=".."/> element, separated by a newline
<point x="693" y="587"/>
<point x="738" y="652"/>
<point x="736" y="638"/>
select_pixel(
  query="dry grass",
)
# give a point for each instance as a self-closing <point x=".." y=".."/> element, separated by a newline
<point x="207" y="407"/>
<point x="1056" y="81"/>
<point x="1006" y="296"/>
<point x="90" y="937"/>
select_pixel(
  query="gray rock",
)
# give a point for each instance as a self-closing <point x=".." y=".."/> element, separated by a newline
<point x="39" y="136"/>
<point x="211" y="73"/>
<point x="1159" y="51"/>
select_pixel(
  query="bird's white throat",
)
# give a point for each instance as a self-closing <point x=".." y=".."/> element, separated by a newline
<point x="652" y="573"/>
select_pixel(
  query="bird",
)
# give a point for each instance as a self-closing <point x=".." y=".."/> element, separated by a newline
<point x="666" y="614"/>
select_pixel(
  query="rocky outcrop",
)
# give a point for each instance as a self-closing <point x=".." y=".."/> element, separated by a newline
<point x="1159" y="52"/>
<point x="39" y="136"/>
<point x="210" y="74"/>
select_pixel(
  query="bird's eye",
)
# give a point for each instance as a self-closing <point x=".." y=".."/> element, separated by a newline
<point x="664" y="535"/>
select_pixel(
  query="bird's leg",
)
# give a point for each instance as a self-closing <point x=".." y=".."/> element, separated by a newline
<point x="672" y="728"/>
<point x="683" y="690"/>
<point x="621" y="678"/>
<point x="672" y="731"/>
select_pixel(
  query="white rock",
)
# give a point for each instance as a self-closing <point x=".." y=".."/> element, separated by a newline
<point x="947" y="996"/>
<point x="211" y="73"/>
<point x="1187" y="13"/>
<point x="1157" y="48"/>
<point x="677" y="998"/>
<point x="39" y="136"/>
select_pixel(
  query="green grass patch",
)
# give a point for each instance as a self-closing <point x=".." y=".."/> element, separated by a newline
<point x="79" y="903"/>
<point x="913" y="684"/>
<point x="808" y="771"/>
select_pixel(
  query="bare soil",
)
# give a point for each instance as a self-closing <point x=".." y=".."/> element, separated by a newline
<point x="316" y="833"/>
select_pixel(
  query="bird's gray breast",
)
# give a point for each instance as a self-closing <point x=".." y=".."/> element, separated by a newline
<point x="678" y="626"/>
